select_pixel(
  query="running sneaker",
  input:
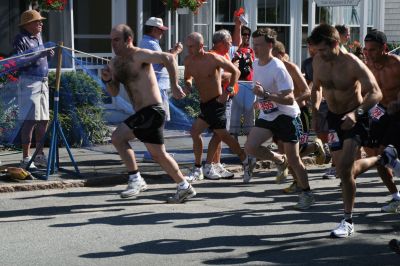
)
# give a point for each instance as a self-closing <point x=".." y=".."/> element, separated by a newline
<point x="210" y="172"/>
<point x="292" y="188"/>
<point x="282" y="171"/>
<point x="306" y="199"/>
<point x="330" y="173"/>
<point x="328" y="155"/>
<point x="41" y="160"/>
<point x="134" y="188"/>
<point x="182" y="195"/>
<point x="389" y="158"/>
<point x="320" y="152"/>
<point x="220" y="169"/>
<point x="394" y="245"/>
<point x="24" y="163"/>
<point x="248" y="168"/>
<point x="344" y="229"/>
<point x="195" y="175"/>
<point x="392" y="207"/>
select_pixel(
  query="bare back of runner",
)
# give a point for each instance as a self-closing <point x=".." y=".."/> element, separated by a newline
<point x="384" y="117"/>
<point x="205" y="69"/>
<point x="132" y="67"/>
<point x="344" y="79"/>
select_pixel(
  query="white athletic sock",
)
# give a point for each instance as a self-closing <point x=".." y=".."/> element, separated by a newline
<point x="396" y="196"/>
<point x="183" y="185"/>
<point x="135" y="177"/>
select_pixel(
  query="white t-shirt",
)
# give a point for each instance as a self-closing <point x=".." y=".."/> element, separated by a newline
<point x="274" y="78"/>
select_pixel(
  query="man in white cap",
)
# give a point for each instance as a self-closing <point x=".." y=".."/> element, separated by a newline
<point x="33" y="90"/>
<point x="153" y="31"/>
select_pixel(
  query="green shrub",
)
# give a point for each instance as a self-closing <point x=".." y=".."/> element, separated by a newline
<point x="80" y="108"/>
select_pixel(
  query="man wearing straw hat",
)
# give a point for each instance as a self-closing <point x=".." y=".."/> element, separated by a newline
<point x="132" y="67"/>
<point x="33" y="92"/>
<point x="154" y="30"/>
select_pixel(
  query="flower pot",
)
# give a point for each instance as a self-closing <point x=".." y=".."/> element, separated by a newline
<point x="182" y="10"/>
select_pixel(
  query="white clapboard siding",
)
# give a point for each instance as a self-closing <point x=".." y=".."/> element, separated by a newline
<point x="392" y="21"/>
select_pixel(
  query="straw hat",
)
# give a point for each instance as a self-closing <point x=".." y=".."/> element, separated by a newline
<point x="29" y="16"/>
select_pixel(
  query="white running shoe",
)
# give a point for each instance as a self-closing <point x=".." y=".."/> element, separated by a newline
<point x="282" y="171"/>
<point x="248" y="168"/>
<point x="220" y="168"/>
<point x="134" y="188"/>
<point x="24" y="163"/>
<point x="320" y="156"/>
<point x="392" y="207"/>
<point x="306" y="199"/>
<point x="344" y="229"/>
<point x="210" y="172"/>
<point x="182" y="195"/>
<point x="41" y="160"/>
<point x="195" y="175"/>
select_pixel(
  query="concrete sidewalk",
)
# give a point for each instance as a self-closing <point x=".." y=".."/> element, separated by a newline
<point x="100" y="165"/>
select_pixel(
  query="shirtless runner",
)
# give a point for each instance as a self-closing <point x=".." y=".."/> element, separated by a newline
<point x="385" y="117"/>
<point x="204" y="68"/>
<point x="344" y="79"/>
<point x="132" y="67"/>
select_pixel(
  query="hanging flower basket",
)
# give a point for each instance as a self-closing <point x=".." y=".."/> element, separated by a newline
<point x="48" y="5"/>
<point x="177" y="5"/>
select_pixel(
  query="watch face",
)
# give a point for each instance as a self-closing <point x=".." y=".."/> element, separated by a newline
<point x="360" y="111"/>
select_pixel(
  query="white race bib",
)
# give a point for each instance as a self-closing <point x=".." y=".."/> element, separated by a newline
<point x="333" y="139"/>
<point x="268" y="107"/>
<point x="376" y="113"/>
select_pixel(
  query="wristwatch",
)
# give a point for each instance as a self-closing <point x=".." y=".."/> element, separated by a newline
<point x="266" y="94"/>
<point x="230" y="89"/>
<point x="359" y="112"/>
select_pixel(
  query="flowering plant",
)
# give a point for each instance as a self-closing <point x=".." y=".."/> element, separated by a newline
<point x="193" y="5"/>
<point x="47" y="5"/>
<point x="8" y="71"/>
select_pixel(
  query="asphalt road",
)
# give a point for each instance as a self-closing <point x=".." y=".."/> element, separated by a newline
<point x="228" y="223"/>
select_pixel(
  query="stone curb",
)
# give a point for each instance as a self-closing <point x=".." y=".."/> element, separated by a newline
<point x="110" y="180"/>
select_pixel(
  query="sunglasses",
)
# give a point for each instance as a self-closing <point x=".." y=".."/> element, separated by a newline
<point x="245" y="34"/>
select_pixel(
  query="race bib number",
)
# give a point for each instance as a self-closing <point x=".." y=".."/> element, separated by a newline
<point x="268" y="107"/>
<point x="303" y="139"/>
<point x="333" y="139"/>
<point x="376" y="112"/>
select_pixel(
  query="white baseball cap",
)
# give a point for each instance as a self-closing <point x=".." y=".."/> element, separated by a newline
<point x="156" y="22"/>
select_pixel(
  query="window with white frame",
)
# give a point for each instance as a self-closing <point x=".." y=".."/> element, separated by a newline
<point x="224" y="11"/>
<point x="275" y="14"/>
<point x="89" y="36"/>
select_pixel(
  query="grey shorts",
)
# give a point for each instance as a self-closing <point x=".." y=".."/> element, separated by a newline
<point x="33" y="98"/>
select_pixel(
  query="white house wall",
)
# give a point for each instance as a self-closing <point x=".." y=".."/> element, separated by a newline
<point x="392" y="21"/>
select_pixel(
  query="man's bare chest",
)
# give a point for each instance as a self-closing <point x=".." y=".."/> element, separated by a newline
<point x="202" y="69"/>
<point x="126" y="70"/>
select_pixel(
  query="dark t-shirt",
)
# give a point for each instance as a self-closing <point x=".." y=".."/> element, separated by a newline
<point x="33" y="65"/>
<point x="306" y="68"/>
<point x="245" y="56"/>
